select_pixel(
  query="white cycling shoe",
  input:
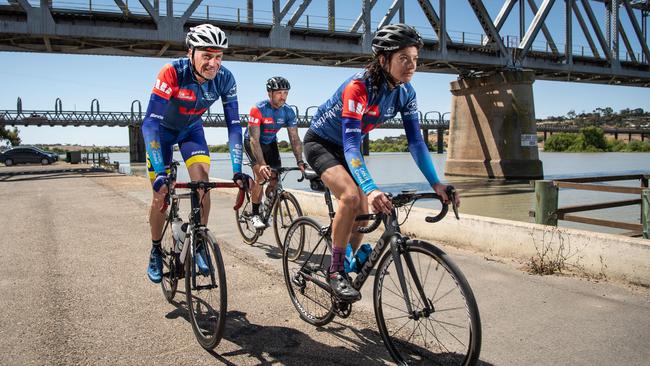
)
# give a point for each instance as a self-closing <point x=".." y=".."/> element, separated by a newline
<point x="257" y="222"/>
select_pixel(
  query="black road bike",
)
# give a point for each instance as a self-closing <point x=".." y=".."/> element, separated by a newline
<point x="206" y="292"/>
<point x="424" y="307"/>
<point x="278" y="210"/>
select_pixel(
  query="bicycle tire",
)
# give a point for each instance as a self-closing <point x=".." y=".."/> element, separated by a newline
<point x="242" y="216"/>
<point x="451" y="335"/>
<point x="169" y="282"/>
<point x="313" y="302"/>
<point x="207" y="322"/>
<point x="283" y="216"/>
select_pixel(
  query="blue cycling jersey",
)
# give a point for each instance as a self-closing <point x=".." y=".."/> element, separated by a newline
<point x="270" y="120"/>
<point x="177" y="103"/>
<point x="357" y="108"/>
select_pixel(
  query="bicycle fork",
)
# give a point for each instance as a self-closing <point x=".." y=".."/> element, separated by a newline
<point x="398" y="245"/>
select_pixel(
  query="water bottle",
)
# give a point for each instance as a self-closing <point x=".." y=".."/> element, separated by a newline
<point x="178" y="233"/>
<point x="354" y="262"/>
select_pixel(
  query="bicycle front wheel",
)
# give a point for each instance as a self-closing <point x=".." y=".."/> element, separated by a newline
<point x="206" y="290"/>
<point x="243" y="217"/>
<point x="443" y="326"/>
<point x="306" y="275"/>
<point x="285" y="211"/>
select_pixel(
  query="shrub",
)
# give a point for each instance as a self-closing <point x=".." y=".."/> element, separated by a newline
<point x="560" y="141"/>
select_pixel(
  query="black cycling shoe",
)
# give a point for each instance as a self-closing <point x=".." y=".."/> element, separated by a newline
<point x="340" y="284"/>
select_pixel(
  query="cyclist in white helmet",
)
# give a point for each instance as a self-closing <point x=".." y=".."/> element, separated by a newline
<point x="183" y="91"/>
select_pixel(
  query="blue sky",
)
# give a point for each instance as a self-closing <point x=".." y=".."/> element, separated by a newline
<point x="38" y="79"/>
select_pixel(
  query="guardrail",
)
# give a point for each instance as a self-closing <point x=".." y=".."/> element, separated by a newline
<point x="547" y="211"/>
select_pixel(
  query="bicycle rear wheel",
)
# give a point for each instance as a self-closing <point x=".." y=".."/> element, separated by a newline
<point x="285" y="211"/>
<point x="169" y="281"/>
<point x="243" y="217"/>
<point x="448" y="335"/>
<point x="206" y="294"/>
<point x="306" y="275"/>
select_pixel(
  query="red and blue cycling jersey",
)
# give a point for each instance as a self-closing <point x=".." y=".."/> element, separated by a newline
<point x="270" y="120"/>
<point x="177" y="103"/>
<point x="355" y="109"/>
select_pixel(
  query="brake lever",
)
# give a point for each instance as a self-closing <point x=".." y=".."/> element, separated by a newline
<point x="451" y="194"/>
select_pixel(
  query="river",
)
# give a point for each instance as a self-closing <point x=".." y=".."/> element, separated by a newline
<point x="510" y="200"/>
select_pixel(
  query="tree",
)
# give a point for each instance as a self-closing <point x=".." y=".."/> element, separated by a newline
<point x="571" y="114"/>
<point x="11" y="136"/>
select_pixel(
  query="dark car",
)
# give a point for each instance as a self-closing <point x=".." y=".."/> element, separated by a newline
<point x="27" y="154"/>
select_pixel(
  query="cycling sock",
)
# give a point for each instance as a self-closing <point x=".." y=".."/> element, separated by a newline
<point x="338" y="255"/>
<point x="256" y="208"/>
<point x="156" y="243"/>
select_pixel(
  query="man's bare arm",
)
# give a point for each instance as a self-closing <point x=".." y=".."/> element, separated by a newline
<point x="254" y="134"/>
<point x="296" y="144"/>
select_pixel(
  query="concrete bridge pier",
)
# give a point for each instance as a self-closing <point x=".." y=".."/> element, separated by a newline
<point x="492" y="131"/>
<point x="137" y="150"/>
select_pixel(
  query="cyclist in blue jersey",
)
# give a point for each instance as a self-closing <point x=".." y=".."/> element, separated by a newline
<point x="260" y="141"/>
<point x="184" y="90"/>
<point x="333" y="141"/>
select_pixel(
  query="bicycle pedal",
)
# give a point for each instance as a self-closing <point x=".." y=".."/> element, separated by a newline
<point x="343" y="308"/>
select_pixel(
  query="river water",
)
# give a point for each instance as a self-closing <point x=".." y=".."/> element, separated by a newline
<point x="510" y="200"/>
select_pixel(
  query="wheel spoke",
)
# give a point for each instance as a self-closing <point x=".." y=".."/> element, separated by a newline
<point x="425" y="337"/>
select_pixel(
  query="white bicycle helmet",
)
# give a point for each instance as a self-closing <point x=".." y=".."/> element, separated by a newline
<point x="206" y="36"/>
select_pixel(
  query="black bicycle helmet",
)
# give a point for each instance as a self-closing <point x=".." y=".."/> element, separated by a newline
<point x="392" y="37"/>
<point x="277" y="83"/>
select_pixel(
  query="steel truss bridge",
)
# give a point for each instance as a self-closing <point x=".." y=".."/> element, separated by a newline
<point x="96" y="118"/>
<point x="616" y="53"/>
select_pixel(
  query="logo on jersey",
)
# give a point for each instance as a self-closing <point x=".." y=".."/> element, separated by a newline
<point x="198" y="152"/>
<point x="355" y="107"/>
<point x="352" y="130"/>
<point x="355" y="163"/>
<point x="209" y="96"/>
<point x="154" y="144"/>
<point x="163" y="87"/>
<point x="411" y="108"/>
<point x="186" y="94"/>
<point x="235" y="122"/>
<point x="233" y="91"/>
<point x="362" y="175"/>
<point x="330" y="113"/>
<point x="254" y="121"/>
<point x="280" y="121"/>
<point x="157" y="116"/>
<point x="390" y="112"/>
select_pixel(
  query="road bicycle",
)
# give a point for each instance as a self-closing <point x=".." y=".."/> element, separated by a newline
<point x="424" y="307"/>
<point x="205" y="291"/>
<point x="278" y="210"/>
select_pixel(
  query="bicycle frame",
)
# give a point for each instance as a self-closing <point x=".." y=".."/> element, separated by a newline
<point x="392" y="237"/>
<point x="279" y="190"/>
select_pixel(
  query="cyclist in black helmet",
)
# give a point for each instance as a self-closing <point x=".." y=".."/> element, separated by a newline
<point x="260" y="142"/>
<point x="333" y="141"/>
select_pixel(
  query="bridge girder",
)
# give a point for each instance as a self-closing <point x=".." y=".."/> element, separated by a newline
<point x="146" y="31"/>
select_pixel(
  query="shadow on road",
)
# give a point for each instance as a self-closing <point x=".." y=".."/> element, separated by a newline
<point x="288" y="346"/>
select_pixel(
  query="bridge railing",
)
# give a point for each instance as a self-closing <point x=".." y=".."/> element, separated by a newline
<point x="134" y="117"/>
<point x="547" y="211"/>
<point x="264" y="17"/>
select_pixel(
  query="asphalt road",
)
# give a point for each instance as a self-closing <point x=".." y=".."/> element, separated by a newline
<point x="74" y="290"/>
